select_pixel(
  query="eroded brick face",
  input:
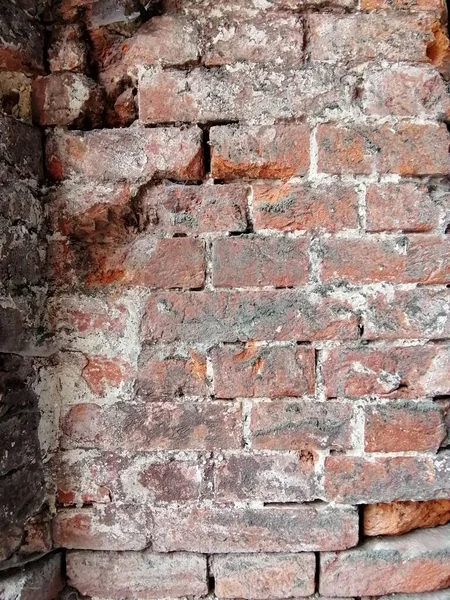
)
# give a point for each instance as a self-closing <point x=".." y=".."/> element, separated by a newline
<point x="246" y="373"/>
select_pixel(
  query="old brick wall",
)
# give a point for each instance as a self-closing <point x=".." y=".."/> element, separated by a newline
<point x="248" y="269"/>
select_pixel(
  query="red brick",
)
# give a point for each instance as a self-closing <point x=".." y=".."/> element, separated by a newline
<point x="402" y="427"/>
<point x="67" y="99"/>
<point x="233" y="8"/>
<point x="421" y="313"/>
<point x="260" y="576"/>
<point x="365" y="480"/>
<point x="125" y="574"/>
<point x="405" y="148"/>
<point x="125" y="110"/>
<point x="398" y="259"/>
<point x="67" y="49"/>
<point x="411" y="5"/>
<point x="36" y="580"/>
<point x="166" y="372"/>
<point x="271" y="152"/>
<point x="85" y="316"/>
<point x="134" y="154"/>
<point x="400" y="517"/>
<point x="277" y="40"/>
<point x="214" y="529"/>
<point x="392" y="372"/>
<point x="179" y="209"/>
<point x="301" y="425"/>
<point x="106" y="527"/>
<point x="365" y="37"/>
<point x="153" y="426"/>
<point x="298" y="207"/>
<point x="166" y="40"/>
<point x="280" y="315"/>
<point x="411" y="92"/>
<point x="223" y="93"/>
<point x="86" y="477"/>
<point x="401" y="207"/>
<point x="274" y="478"/>
<point x="103" y="373"/>
<point x="415" y="562"/>
<point x="264" y="371"/>
<point x="258" y="261"/>
<point x="147" y="261"/>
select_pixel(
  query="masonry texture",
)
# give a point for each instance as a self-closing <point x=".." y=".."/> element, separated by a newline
<point x="224" y="299"/>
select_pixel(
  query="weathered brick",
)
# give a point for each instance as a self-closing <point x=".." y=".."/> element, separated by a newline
<point x="297" y="207"/>
<point x="67" y="49"/>
<point x="270" y="152"/>
<point x="403" y="426"/>
<point x="282" y="529"/>
<point x="365" y="480"/>
<point x="101" y="373"/>
<point x="364" y="37"/>
<point x="261" y="576"/>
<point x="277" y="40"/>
<point x="405" y="148"/>
<point x="410" y="5"/>
<point x="400" y="517"/>
<point x="405" y="206"/>
<point x="153" y="426"/>
<point x="102" y="527"/>
<point x="22" y="40"/>
<point x="411" y="92"/>
<point x="399" y="259"/>
<point x="393" y="372"/>
<point x="166" y="372"/>
<point x="283" y="315"/>
<point x="234" y="93"/>
<point x="124" y="574"/>
<point x="264" y="371"/>
<point x="167" y="40"/>
<point x="298" y="425"/>
<point x="86" y="477"/>
<point x="259" y="261"/>
<point x="178" y="209"/>
<point x="274" y="478"/>
<point x="421" y="313"/>
<point x="132" y="154"/>
<point x="415" y="562"/>
<point x="37" y="580"/>
<point x="200" y="8"/>
<point x="147" y="261"/>
<point x="67" y="99"/>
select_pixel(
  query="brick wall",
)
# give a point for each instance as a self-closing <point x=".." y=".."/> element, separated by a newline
<point x="248" y="393"/>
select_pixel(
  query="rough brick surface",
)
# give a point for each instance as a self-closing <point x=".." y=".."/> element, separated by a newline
<point x="280" y="529"/>
<point x="416" y="562"/>
<point x="290" y="207"/>
<point x="296" y="425"/>
<point x="401" y="517"/>
<point x="405" y="149"/>
<point x="393" y="372"/>
<point x="283" y="315"/>
<point x="132" y="154"/>
<point x="268" y="152"/>
<point x="262" y="371"/>
<point x="253" y="261"/>
<point x="126" y="573"/>
<point x="262" y="576"/>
